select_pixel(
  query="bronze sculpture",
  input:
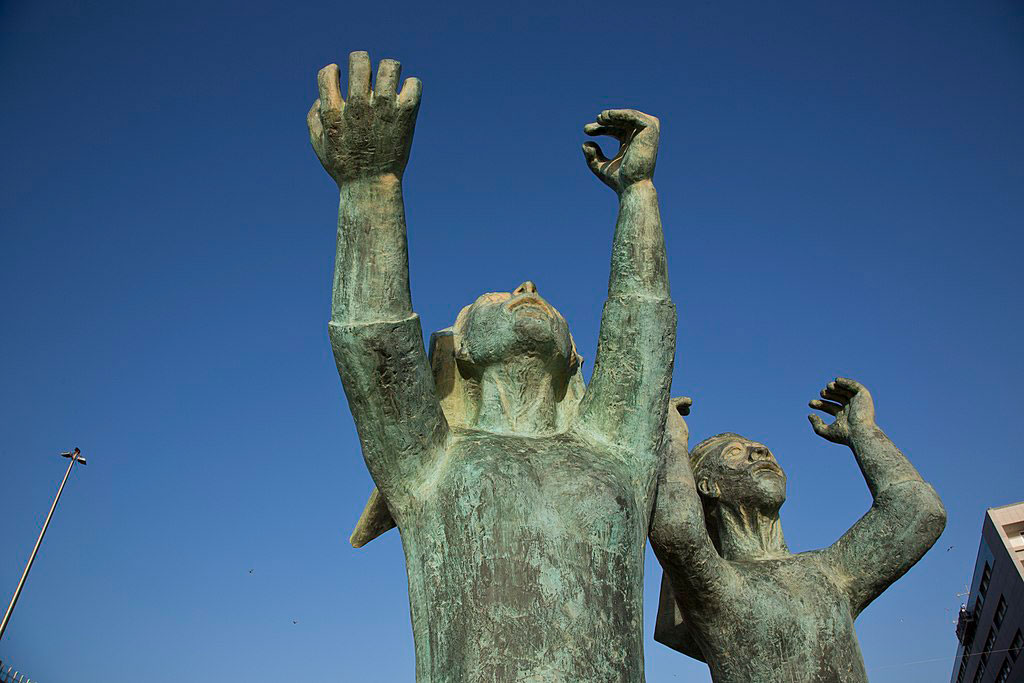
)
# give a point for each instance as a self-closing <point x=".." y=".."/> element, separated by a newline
<point x="732" y="593"/>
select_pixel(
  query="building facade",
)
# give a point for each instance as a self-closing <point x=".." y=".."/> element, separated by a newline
<point x="990" y="626"/>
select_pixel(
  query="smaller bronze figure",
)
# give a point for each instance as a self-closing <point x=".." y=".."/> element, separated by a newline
<point x="732" y="593"/>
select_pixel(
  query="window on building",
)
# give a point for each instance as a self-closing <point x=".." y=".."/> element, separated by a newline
<point x="1000" y="612"/>
<point x="963" y="663"/>
<point x="980" y="673"/>
<point x="1004" y="672"/>
<point x="986" y="578"/>
<point x="979" y="598"/>
<point x="990" y="642"/>
<point x="1017" y="645"/>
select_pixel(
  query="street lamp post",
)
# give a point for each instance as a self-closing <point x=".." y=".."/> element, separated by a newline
<point x="75" y="456"/>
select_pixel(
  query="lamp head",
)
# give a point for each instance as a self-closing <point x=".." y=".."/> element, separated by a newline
<point x="75" y="454"/>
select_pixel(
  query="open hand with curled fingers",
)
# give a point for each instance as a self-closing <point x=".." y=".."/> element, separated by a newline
<point x="637" y="134"/>
<point x="369" y="134"/>
<point x="851" y="404"/>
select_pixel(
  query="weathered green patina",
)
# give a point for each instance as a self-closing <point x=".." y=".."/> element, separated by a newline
<point x="732" y="593"/>
<point x="523" y="499"/>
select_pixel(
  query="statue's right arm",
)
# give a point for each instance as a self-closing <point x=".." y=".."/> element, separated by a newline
<point x="678" y="533"/>
<point x="363" y="142"/>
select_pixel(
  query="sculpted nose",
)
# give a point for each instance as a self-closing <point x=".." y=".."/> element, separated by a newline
<point x="759" y="454"/>
<point x="526" y="288"/>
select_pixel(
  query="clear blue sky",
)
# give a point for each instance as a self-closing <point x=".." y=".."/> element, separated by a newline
<point x="841" y="188"/>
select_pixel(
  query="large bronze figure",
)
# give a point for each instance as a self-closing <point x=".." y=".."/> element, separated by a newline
<point x="524" y="502"/>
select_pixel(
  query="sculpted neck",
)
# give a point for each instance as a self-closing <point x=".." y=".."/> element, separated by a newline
<point x="517" y="396"/>
<point x="749" y="534"/>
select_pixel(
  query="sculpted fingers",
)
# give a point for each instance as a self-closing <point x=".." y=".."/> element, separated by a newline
<point x="826" y="431"/>
<point x="595" y="129"/>
<point x="831" y="394"/>
<point x="839" y="389"/>
<point x="818" y="425"/>
<point x="638" y="133"/>
<point x="839" y="402"/>
<point x="594" y="156"/>
<point x="598" y="162"/>
<point x="369" y="133"/>
<point x="849" y="385"/>
<point x="359" y="77"/>
<point x="603" y="167"/>
<point x="862" y="405"/>
<point x="330" y="89"/>
<point x="409" y="98"/>
<point x="826" y="406"/>
<point x="627" y="117"/>
<point x="388" y="73"/>
<point x="316" y="128"/>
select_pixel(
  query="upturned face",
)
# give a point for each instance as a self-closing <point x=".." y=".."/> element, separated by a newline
<point x="743" y="473"/>
<point x="499" y="326"/>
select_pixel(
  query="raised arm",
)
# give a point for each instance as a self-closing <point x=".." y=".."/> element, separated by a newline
<point x="697" y="574"/>
<point x="906" y="517"/>
<point x="363" y="142"/>
<point x="628" y="393"/>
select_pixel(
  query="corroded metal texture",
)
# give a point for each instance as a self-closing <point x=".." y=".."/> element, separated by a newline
<point x="523" y="498"/>
<point x="732" y="593"/>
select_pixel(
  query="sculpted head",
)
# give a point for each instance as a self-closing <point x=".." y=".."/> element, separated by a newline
<point x="732" y="470"/>
<point x="503" y="326"/>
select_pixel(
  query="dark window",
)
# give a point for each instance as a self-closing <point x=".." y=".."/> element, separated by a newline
<point x="1000" y="612"/>
<point x="979" y="600"/>
<point x="986" y="577"/>
<point x="980" y="672"/>
<point x="1004" y="672"/>
<point x="964" y="660"/>
<point x="990" y="641"/>
<point x="1017" y="645"/>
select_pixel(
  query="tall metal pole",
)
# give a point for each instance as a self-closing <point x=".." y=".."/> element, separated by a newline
<point x="75" y="457"/>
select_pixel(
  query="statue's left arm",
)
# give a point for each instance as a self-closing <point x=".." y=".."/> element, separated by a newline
<point x="906" y="517"/>
<point x="627" y="398"/>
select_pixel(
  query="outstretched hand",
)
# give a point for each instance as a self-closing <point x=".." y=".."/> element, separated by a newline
<point x="369" y="134"/>
<point x="851" y="404"/>
<point x="637" y="134"/>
